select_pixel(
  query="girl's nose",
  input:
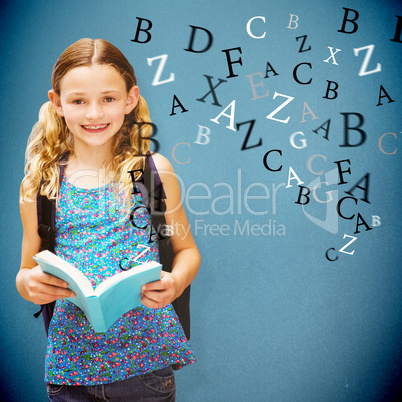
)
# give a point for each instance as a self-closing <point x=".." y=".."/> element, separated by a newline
<point x="94" y="112"/>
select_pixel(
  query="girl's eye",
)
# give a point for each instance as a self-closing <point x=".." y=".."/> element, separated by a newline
<point x="109" y="99"/>
<point x="78" y="102"/>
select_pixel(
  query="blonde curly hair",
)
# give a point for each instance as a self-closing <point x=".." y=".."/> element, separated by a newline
<point x="50" y="140"/>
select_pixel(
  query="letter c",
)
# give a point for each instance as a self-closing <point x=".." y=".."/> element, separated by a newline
<point x="174" y="153"/>
<point x="296" y="77"/>
<point x="265" y="160"/>
<point x="380" y="144"/>
<point x="132" y="216"/>
<point x="127" y="267"/>
<point x="249" y="31"/>
<point x="310" y="160"/>
<point x="338" y="207"/>
<point x="326" y="255"/>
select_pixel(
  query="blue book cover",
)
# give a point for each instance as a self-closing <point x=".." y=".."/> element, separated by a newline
<point x="114" y="297"/>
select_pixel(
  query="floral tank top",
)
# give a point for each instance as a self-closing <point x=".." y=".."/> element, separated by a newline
<point x="95" y="234"/>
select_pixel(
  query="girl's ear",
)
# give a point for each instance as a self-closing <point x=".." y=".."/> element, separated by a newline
<point x="132" y="99"/>
<point x="55" y="99"/>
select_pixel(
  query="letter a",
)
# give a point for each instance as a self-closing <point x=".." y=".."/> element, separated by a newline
<point x="382" y="90"/>
<point x="293" y="177"/>
<point x="324" y="126"/>
<point x="177" y="103"/>
<point x="366" y="180"/>
<point x="232" y="106"/>
<point x="309" y="112"/>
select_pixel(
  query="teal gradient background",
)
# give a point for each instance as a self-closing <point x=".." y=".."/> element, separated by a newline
<point x="272" y="318"/>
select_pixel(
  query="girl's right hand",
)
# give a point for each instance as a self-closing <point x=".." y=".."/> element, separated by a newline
<point x="42" y="288"/>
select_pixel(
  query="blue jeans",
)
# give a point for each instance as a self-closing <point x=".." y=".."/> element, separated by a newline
<point x="158" y="385"/>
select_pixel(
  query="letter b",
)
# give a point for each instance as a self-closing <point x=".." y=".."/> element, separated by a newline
<point x="204" y="134"/>
<point x="375" y="220"/>
<point x="294" y="21"/>
<point x="333" y="90"/>
<point x="357" y="128"/>
<point x="147" y="137"/>
<point x="146" y="30"/>
<point x="346" y="20"/>
<point x="303" y="195"/>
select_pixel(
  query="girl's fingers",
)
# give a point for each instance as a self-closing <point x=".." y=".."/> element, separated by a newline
<point x="44" y="288"/>
<point x="152" y="303"/>
<point x="54" y="281"/>
<point x="58" y="292"/>
<point x="47" y="294"/>
<point x="157" y="285"/>
<point x="38" y="275"/>
<point x="159" y="293"/>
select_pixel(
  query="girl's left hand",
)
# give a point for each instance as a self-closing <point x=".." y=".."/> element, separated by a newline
<point x="160" y="293"/>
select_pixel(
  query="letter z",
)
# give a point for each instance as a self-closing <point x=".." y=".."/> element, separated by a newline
<point x="346" y="245"/>
<point x="289" y="99"/>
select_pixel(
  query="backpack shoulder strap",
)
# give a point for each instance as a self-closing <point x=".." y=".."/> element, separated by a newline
<point x="46" y="229"/>
<point x="46" y="210"/>
<point x="156" y="203"/>
<point x="46" y="216"/>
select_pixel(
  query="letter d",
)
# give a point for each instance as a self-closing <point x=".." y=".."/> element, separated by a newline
<point x="192" y="37"/>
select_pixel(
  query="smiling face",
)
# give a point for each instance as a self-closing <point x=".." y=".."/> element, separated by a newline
<point x="94" y="101"/>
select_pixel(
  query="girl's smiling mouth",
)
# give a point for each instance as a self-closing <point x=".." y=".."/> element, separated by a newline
<point x="95" y="128"/>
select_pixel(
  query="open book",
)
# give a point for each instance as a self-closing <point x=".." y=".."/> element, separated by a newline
<point x="114" y="297"/>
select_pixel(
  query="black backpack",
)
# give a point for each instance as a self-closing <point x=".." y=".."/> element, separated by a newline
<point x="154" y="197"/>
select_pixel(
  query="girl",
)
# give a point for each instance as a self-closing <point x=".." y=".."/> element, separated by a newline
<point x="88" y="132"/>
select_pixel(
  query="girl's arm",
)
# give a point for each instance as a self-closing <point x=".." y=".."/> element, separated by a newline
<point x="187" y="259"/>
<point x="32" y="283"/>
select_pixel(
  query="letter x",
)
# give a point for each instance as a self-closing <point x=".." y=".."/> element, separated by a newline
<point x="332" y="55"/>
<point x="209" y="78"/>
